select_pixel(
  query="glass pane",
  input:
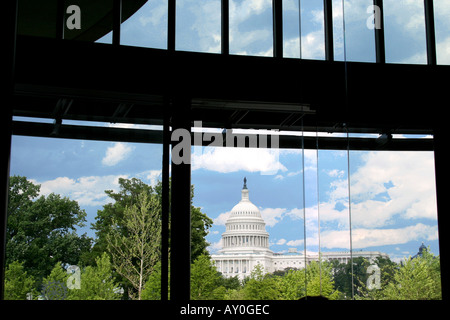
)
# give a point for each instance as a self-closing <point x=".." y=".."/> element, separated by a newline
<point x="251" y="27"/>
<point x="147" y="27"/>
<point x="360" y="40"/>
<point x="338" y="30"/>
<point x="313" y="37"/>
<point x="291" y="29"/>
<point x="68" y="212"/>
<point x="198" y="25"/>
<point x="441" y="13"/>
<point x="334" y="224"/>
<point x="257" y="231"/>
<point x="394" y="221"/>
<point x="404" y="23"/>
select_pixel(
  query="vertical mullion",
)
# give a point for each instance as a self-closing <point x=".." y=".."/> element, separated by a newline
<point x="60" y="14"/>
<point x="430" y="32"/>
<point x="8" y="62"/>
<point x="180" y="224"/>
<point x="165" y="205"/>
<point x="328" y="29"/>
<point x="225" y="27"/>
<point x="277" y="11"/>
<point x="171" y="24"/>
<point x="117" y="21"/>
<point x="380" y="49"/>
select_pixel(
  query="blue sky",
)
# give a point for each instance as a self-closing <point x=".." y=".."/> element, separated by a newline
<point x="393" y="204"/>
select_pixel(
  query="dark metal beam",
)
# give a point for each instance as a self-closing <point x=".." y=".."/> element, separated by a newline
<point x="180" y="245"/>
<point x="60" y="19"/>
<point x="156" y="136"/>
<point x="430" y="32"/>
<point x="328" y="26"/>
<point x="117" y="21"/>
<point x="380" y="51"/>
<point x="9" y="9"/>
<point x="277" y="12"/>
<point x="165" y="206"/>
<point x="171" y="25"/>
<point x="225" y="28"/>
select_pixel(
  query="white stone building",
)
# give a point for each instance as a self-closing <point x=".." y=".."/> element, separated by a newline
<point x="246" y="244"/>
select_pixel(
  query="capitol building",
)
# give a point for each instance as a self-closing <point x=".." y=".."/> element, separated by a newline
<point x="246" y="244"/>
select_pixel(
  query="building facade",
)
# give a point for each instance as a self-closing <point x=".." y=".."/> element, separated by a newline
<point x="246" y="244"/>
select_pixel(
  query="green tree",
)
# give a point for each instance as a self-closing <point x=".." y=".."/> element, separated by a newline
<point x="42" y="231"/>
<point x="205" y="280"/>
<point x="416" y="279"/>
<point x="293" y="284"/>
<point x="260" y="286"/>
<point x="127" y="197"/>
<point x="135" y="253"/>
<point x="152" y="288"/>
<point x="320" y="281"/>
<point x="97" y="282"/>
<point x="18" y="284"/>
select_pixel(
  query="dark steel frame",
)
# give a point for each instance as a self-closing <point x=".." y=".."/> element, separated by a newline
<point x="393" y="99"/>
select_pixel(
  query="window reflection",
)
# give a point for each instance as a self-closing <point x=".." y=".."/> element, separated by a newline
<point x="251" y="27"/>
<point x="404" y="23"/>
<point x="198" y="25"/>
<point x="442" y="26"/>
<point x="147" y="27"/>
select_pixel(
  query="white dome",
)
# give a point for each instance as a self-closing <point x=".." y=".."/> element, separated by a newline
<point x="245" y="208"/>
<point x="245" y="228"/>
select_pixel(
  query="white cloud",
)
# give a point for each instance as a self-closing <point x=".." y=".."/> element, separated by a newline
<point x="281" y="242"/>
<point x="87" y="191"/>
<point x="227" y="160"/>
<point x="335" y="173"/>
<point x="364" y="238"/>
<point x="222" y="218"/>
<point x="115" y="154"/>
<point x="152" y="175"/>
<point x="272" y="215"/>
<point x="215" y="246"/>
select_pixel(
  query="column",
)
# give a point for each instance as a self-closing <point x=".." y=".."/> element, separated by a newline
<point x="180" y="257"/>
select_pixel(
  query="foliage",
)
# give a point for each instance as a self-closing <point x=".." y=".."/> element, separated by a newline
<point x="18" y="284"/>
<point x="135" y="253"/>
<point x="416" y="279"/>
<point x="42" y="231"/>
<point x="319" y="280"/>
<point x="152" y="288"/>
<point x="127" y="197"/>
<point x="260" y="286"/>
<point x="205" y="280"/>
<point x="97" y="282"/>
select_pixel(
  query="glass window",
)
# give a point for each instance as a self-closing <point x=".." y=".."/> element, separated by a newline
<point x="312" y="26"/>
<point x="147" y="27"/>
<point x="69" y="211"/>
<point x="198" y="26"/>
<point x="442" y="25"/>
<point x="291" y="29"/>
<point x="404" y="23"/>
<point x="393" y="214"/>
<point x="251" y="27"/>
<point x="360" y="40"/>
